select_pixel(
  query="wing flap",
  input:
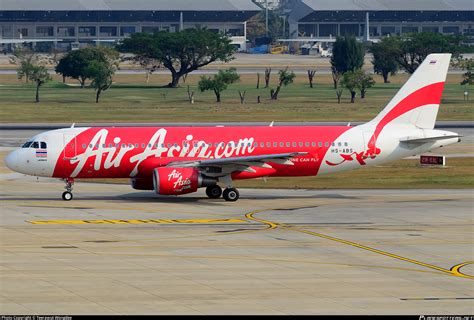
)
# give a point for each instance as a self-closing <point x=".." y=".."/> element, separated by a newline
<point x="258" y="161"/>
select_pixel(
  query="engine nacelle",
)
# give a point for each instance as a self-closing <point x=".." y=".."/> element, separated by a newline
<point x="176" y="181"/>
<point x="142" y="183"/>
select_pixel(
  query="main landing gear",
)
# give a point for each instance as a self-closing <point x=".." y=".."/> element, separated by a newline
<point x="67" y="195"/>
<point x="229" y="194"/>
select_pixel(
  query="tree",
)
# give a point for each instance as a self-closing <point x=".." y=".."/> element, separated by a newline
<point x="286" y="77"/>
<point x="347" y="54"/>
<point x="385" y="55"/>
<point x="357" y="80"/>
<point x="351" y="81"/>
<point x="268" y="72"/>
<point x="75" y="64"/>
<point x="101" y="73"/>
<point x="311" y="74"/>
<point x="256" y="25"/>
<point x="38" y="74"/>
<point x="25" y="70"/>
<point x="366" y="82"/>
<point x="415" y="47"/>
<point x="339" y="90"/>
<point x="219" y="82"/>
<point x="336" y="77"/>
<point x="468" y="65"/>
<point x="180" y="52"/>
<point x="26" y="59"/>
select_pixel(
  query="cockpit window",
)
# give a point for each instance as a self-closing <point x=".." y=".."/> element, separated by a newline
<point x="27" y="144"/>
<point x="43" y="145"/>
<point x="35" y="145"/>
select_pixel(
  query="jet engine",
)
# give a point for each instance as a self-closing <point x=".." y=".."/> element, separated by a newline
<point x="142" y="183"/>
<point x="176" y="181"/>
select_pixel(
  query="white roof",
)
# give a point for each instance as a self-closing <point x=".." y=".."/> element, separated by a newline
<point x="125" y="5"/>
<point x="390" y="5"/>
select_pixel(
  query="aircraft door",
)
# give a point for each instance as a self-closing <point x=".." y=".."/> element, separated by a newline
<point x="69" y="146"/>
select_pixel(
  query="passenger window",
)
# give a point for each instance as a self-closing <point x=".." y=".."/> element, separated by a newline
<point x="301" y="144"/>
<point x="269" y="144"/>
<point x="306" y="144"/>
<point x="288" y="144"/>
<point x="35" y="145"/>
<point x="313" y="144"/>
<point x="320" y="144"/>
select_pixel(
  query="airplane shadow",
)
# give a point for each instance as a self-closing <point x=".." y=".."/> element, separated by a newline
<point x="142" y="197"/>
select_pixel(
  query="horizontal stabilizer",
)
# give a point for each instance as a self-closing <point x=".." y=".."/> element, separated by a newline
<point x="429" y="139"/>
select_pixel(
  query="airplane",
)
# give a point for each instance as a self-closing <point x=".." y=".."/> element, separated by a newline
<point x="179" y="160"/>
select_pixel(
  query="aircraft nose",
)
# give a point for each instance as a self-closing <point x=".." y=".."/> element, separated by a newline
<point x="12" y="160"/>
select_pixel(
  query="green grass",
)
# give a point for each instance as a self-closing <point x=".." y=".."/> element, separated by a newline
<point x="131" y="100"/>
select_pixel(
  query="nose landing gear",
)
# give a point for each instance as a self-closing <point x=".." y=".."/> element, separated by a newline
<point x="67" y="195"/>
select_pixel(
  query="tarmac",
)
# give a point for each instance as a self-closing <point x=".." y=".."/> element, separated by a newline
<point x="115" y="250"/>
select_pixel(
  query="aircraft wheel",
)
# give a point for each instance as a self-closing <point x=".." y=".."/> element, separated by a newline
<point x="67" y="196"/>
<point x="231" y="194"/>
<point x="214" y="192"/>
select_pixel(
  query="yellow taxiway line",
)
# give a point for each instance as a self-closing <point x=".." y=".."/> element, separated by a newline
<point x="454" y="271"/>
<point x="139" y="221"/>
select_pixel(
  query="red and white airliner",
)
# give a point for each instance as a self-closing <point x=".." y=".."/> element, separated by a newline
<point x="179" y="160"/>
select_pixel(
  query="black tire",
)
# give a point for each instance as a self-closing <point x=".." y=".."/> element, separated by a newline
<point x="67" y="196"/>
<point x="214" y="192"/>
<point x="231" y="194"/>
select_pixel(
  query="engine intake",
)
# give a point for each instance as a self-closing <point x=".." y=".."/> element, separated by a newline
<point x="142" y="183"/>
<point x="176" y="181"/>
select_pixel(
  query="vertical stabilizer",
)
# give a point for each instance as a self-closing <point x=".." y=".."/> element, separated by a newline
<point x="417" y="102"/>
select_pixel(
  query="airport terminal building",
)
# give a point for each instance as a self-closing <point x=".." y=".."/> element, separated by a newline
<point x="328" y="19"/>
<point x="80" y="22"/>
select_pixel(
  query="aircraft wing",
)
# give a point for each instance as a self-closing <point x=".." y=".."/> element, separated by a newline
<point x="240" y="163"/>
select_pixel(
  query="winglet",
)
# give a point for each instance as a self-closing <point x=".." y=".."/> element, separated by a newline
<point x="72" y="126"/>
<point x="271" y="124"/>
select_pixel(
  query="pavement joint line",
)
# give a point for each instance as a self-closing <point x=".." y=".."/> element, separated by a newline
<point x="271" y="225"/>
